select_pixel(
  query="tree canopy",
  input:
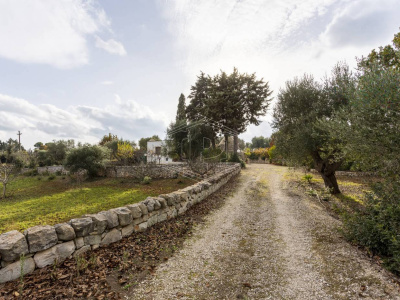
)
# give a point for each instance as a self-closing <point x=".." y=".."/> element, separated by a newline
<point x="88" y="158"/>
<point x="302" y="103"/>
<point x="260" y="142"/>
<point x="387" y="56"/>
<point x="231" y="101"/>
<point x="181" y="111"/>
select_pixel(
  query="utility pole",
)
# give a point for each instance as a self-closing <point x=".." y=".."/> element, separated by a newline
<point x="19" y="139"/>
<point x="190" y="145"/>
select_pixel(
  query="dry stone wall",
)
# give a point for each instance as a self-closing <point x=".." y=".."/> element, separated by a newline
<point x="51" y="170"/>
<point x="152" y="170"/>
<point x="41" y="246"/>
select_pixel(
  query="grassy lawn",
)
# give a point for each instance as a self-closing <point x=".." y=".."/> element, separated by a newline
<point x="33" y="202"/>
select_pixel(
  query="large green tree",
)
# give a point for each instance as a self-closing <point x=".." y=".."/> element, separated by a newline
<point x="260" y="142"/>
<point x="301" y="106"/>
<point x="387" y="56"/>
<point x="231" y="102"/>
<point x="369" y="127"/>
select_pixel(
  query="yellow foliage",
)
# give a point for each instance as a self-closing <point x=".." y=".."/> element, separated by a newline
<point x="125" y="151"/>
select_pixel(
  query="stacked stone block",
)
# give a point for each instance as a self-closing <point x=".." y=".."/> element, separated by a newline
<point x="41" y="246"/>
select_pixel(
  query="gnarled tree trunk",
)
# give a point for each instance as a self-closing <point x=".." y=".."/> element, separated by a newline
<point x="327" y="171"/>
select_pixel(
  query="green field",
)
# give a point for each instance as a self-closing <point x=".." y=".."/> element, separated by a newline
<point x="31" y="201"/>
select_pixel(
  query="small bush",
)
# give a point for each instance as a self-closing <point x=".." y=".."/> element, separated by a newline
<point x="51" y="177"/>
<point x="308" y="178"/>
<point x="376" y="226"/>
<point x="31" y="173"/>
<point x="236" y="158"/>
<point x="146" y="180"/>
<point x="223" y="157"/>
<point x="58" y="173"/>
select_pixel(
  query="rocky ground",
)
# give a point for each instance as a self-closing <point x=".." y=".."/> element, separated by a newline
<point x="268" y="242"/>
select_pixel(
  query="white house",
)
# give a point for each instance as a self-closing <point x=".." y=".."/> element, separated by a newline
<point x="155" y="152"/>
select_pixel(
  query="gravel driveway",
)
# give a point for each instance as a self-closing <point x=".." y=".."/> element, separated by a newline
<point x="268" y="242"/>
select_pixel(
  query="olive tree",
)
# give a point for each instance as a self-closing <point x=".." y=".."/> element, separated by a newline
<point x="7" y="173"/>
<point x="302" y="104"/>
<point x="369" y="126"/>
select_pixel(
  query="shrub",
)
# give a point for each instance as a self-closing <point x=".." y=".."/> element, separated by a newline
<point x="376" y="226"/>
<point x="261" y="153"/>
<point x="223" y="157"/>
<point x="236" y="158"/>
<point x="242" y="164"/>
<point x="90" y="158"/>
<point x="253" y="156"/>
<point x="51" y="177"/>
<point x="274" y="156"/>
<point x="33" y="172"/>
<point x="308" y="178"/>
<point x="211" y="152"/>
<point x="146" y="180"/>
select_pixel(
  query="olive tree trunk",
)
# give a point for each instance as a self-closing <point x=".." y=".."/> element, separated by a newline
<point x="327" y="171"/>
<point x="4" y="189"/>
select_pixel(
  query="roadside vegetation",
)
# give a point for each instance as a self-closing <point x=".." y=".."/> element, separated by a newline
<point x="350" y="120"/>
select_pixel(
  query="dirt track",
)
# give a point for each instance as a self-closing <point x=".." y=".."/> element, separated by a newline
<point x="268" y="242"/>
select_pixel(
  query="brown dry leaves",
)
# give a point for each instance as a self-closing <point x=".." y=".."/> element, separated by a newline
<point x="111" y="272"/>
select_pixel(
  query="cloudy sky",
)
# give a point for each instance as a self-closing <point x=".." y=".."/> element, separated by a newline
<point x="80" y="69"/>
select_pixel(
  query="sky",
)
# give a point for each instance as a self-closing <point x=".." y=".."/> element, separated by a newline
<point x="78" y="69"/>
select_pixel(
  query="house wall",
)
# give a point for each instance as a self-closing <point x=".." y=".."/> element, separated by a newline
<point x="151" y="153"/>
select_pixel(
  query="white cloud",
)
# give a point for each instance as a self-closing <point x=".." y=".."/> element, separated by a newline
<point x="46" y="122"/>
<point x="357" y="25"/>
<point x="49" y="32"/>
<point x="276" y="39"/>
<point x="111" y="46"/>
<point x="107" y="82"/>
